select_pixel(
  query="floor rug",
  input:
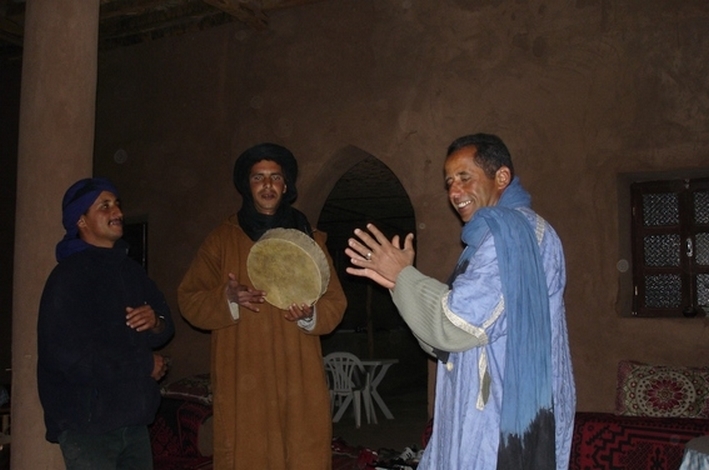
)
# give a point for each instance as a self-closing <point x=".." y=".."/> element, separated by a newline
<point x="604" y="441"/>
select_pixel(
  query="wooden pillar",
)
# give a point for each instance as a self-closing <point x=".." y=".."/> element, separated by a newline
<point x="56" y="138"/>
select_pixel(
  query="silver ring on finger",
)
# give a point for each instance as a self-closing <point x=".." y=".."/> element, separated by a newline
<point x="369" y="256"/>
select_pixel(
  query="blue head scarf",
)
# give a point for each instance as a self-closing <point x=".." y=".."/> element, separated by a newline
<point x="77" y="200"/>
<point x="527" y="388"/>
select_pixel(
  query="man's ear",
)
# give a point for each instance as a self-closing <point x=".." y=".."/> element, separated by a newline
<point x="81" y="222"/>
<point x="503" y="177"/>
<point x="285" y="188"/>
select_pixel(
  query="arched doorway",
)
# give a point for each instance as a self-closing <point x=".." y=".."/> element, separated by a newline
<point x="372" y="328"/>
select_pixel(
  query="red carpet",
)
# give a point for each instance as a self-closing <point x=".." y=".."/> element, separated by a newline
<point x="607" y="441"/>
<point x="175" y="447"/>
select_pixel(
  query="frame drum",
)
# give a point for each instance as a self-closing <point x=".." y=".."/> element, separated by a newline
<point x="289" y="266"/>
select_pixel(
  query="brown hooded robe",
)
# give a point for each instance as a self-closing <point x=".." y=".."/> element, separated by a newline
<point x="271" y="402"/>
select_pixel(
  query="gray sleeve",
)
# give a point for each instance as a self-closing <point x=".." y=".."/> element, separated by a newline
<point x="420" y="301"/>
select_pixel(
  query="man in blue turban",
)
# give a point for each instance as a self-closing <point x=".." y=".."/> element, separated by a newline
<point x="100" y="318"/>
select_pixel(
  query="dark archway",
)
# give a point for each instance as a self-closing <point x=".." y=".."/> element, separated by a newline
<point x="372" y="328"/>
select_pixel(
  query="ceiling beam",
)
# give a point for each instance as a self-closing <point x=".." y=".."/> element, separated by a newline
<point x="12" y="20"/>
<point x="246" y="11"/>
<point x="269" y="5"/>
<point x="125" y="22"/>
<point x="171" y="19"/>
<point x="113" y="8"/>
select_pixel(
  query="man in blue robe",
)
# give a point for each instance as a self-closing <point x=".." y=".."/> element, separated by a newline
<point x="505" y="394"/>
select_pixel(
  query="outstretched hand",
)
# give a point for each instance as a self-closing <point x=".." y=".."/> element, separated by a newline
<point x="377" y="258"/>
<point x="244" y="295"/>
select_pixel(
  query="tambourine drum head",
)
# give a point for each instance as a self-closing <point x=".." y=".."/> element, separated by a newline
<point x="289" y="266"/>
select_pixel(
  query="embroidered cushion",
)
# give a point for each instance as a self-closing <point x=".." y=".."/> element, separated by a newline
<point x="196" y="388"/>
<point x="662" y="391"/>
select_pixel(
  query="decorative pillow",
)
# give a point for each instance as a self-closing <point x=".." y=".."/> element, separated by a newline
<point x="195" y="388"/>
<point x="662" y="391"/>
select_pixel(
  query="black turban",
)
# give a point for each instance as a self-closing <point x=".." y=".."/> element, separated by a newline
<point x="251" y="221"/>
<point x="266" y="151"/>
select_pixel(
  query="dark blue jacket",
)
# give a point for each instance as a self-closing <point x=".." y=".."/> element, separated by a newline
<point x="93" y="370"/>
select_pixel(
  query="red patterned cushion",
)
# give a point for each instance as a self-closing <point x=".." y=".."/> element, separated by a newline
<point x="196" y="388"/>
<point x="662" y="391"/>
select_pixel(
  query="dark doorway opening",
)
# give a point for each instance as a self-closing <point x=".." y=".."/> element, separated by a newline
<point x="372" y="328"/>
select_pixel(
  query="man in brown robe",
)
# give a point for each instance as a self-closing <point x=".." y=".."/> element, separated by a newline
<point x="271" y="402"/>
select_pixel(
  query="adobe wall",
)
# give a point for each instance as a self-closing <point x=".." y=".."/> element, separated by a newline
<point x="580" y="91"/>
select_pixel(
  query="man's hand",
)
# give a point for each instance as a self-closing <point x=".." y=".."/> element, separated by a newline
<point x="160" y="364"/>
<point x="244" y="295"/>
<point x="377" y="258"/>
<point x="299" y="312"/>
<point x="141" y="318"/>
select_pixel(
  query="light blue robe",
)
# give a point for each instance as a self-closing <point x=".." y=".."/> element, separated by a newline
<point x="466" y="424"/>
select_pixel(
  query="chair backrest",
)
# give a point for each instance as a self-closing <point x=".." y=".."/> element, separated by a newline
<point x="345" y="370"/>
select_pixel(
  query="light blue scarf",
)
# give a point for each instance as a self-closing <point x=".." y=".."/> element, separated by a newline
<point x="527" y="388"/>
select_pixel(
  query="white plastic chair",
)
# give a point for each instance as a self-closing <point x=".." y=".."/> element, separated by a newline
<point x="349" y="383"/>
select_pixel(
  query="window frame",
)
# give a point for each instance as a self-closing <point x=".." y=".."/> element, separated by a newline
<point x="686" y="227"/>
